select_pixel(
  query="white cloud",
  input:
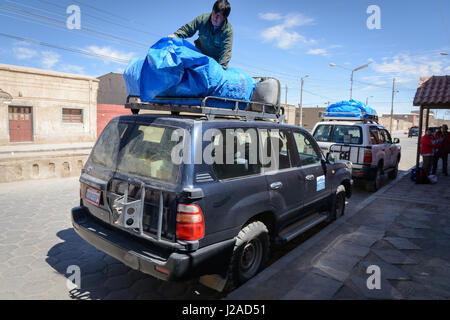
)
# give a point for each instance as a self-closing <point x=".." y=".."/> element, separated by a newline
<point x="49" y="59"/>
<point x="270" y="16"/>
<point x="21" y="53"/>
<point x="281" y="34"/>
<point x="297" y="20"/>
<point x="70" y="68"/>
<point x="322" y="52"/>
<point x="108" y="51"/>
<point x="410" y="68"/>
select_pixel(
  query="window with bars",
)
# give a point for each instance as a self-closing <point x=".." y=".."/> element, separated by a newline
<point x="72" y="115"/>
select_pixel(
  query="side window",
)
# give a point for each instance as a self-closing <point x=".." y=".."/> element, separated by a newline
<point x="387" y="136"/>
<point x="322" y="133"/>
<point x="307" y="154"/>
<point x="374" y="136"/>
<point x="277" y="149"/>
<point x="382" y="137"/>
<point x="239" y="151"/>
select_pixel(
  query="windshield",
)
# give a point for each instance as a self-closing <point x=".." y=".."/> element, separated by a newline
<point x="139" y="149"/>
<point x="347" y="134"/>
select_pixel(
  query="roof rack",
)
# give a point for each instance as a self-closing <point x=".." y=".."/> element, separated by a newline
<point x="347" y="116"/>
<point x="134" y="103"/>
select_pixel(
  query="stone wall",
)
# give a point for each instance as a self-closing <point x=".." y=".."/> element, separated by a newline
<point x="47" y="93"/>
<point x="42" y="168"/>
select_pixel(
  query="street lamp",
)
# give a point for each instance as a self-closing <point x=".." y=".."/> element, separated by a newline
<point x="367" y="100"/>
<point x="301" y="100"/>
<point x="352" y="70"/>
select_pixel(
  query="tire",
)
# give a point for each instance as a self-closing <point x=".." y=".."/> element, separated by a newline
<point x="338" y="204"/>
<point x="250" y="254"/>
<point x="393" y="174"/>
<point x="374" y="185"/>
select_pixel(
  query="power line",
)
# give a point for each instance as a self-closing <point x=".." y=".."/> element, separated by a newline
<point x="21" y="12"/>
<point x="104" y="20"/>
<point x="80" y="51"/>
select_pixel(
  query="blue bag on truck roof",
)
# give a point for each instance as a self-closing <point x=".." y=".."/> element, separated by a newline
<point x="175" y="68"/>
<point x="350" y="108"/>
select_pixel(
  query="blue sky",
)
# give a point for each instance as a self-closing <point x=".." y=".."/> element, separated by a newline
<point x="286" y="39"/>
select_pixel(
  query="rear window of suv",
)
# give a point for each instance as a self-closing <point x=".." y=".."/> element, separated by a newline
<point x="338" y="134"/>
<point x="139" y="149"/>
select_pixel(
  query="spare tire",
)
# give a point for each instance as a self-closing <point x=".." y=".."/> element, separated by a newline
<point x="267" y="91"/>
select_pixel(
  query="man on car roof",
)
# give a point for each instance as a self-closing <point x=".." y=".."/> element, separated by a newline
<point x="215" y="33"/>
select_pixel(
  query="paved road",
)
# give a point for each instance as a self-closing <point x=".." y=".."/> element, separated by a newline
<point x="38" y="245"/>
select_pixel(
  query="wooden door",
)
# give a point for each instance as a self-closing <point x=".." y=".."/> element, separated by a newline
<point x="20" y="124"/>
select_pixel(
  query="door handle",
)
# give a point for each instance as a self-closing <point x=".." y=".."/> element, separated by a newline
<point x="310" y="177"/>
<point x="276" y="185"/>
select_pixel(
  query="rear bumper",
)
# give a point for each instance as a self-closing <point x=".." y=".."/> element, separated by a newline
<point x="365" y="171"/>
<point x="212" y="259"/>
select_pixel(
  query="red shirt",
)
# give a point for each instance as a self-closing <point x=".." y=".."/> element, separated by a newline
<point x="427" y="145"/>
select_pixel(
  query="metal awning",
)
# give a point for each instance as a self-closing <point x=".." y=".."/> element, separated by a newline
<point x="432" y="93"/>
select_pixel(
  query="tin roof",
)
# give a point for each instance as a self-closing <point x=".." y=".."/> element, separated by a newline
<point x="433" y="91"/>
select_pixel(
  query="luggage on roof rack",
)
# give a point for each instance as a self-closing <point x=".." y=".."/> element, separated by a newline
<point x="203" y="106"/>
<point x="350" y="110"/>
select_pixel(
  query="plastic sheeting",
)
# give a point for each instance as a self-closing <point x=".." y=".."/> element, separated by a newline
<point x="175" y="68"/>
<point x="350" y="108"/>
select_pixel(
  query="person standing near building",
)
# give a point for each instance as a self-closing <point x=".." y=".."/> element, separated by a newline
<point x="443" y="136"/>
<point x="427" y="145"/>
<point x="215" y="33"/>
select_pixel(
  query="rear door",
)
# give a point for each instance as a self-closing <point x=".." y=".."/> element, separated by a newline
<point x="316" y="182"/>
<point x="390" y="149"/>
<point x="378" y="146"/>
<point x="284" y="178"/>
<point x="127" y="156"/>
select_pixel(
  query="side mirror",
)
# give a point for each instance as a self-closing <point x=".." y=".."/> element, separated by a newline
<point x="330" y="158"/>
<point x="396" y="140"/>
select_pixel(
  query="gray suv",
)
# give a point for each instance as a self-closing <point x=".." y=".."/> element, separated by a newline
<point x="181" y="197"/>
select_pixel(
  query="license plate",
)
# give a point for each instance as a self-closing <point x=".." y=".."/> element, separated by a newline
<point x="93" y="196"/>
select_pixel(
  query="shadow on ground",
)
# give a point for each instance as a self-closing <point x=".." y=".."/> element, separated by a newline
<point x="103" y="277"/>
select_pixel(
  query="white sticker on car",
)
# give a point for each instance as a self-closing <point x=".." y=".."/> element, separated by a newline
<point x="320" y="183"/>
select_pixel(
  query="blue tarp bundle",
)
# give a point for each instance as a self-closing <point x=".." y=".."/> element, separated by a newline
<point x="175" y="68"/>
<point x="350" y="108"/>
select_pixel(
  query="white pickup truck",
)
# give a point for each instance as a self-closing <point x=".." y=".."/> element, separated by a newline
<point x="367" y="145"/>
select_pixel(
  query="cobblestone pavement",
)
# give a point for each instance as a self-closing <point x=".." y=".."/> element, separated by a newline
<point x="38" y="244"/>
<point x="404" y="230"/>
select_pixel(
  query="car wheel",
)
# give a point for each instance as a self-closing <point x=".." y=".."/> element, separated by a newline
<point x="250" y="254"/>
<point x="374" y="185"/>
<point x="338" y="204"/>
<point x="393" y="174"/>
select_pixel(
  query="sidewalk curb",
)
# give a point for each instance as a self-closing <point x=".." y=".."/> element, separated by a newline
<point x="278" y="265"/>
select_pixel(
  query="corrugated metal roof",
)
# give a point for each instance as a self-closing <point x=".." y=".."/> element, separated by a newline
<point x="433" y="91"/>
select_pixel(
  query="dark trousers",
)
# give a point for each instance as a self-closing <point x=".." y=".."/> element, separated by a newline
<point x="444" y="158"/>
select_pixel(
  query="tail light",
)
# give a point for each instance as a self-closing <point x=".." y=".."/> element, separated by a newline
<point x="190" y="222"/>
<point x="367" y="156"/>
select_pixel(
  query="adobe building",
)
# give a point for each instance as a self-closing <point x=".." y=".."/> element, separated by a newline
<point x="289" y="111"/>
<point x="48" y="122"/>
<point x="310" y="116"/>
<point x="111" y="99"/>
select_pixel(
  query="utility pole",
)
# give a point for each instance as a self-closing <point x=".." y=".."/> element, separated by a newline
<point x="392" y="106"/>
<point x="301" y="100"/>
<point x="351" y="85"/>
<point x="285" y="99"/>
